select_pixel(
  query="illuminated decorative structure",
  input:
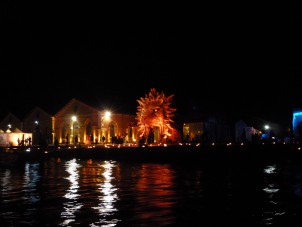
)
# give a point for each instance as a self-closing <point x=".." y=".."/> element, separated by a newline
<point x="154" y="115"/>
<point x="297" y="124"/>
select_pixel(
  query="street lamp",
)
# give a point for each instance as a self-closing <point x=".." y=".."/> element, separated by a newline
<point x="267" y="134"/>
<point x="105" y="118"/>
<point x="107" y="115"/>
<point x="73" y="119"/>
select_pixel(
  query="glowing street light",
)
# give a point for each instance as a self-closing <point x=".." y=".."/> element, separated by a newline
<point x="267" y="132"/>
<point x="105" y="118"/>
<point x="74" y="119"/>
<point x="107" y="115"/>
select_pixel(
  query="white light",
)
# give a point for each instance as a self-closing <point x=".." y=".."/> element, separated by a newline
<point x="266" y="127"/>
<point x="107" y="115"/>
<point x="74" y="118"/>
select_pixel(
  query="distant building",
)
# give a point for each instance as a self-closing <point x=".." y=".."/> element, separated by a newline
<point x="245" y="133"/>
<point x="218" y="129"/>
<point x="192" y="132"/>
<point x="10" y="122"/>
<point x="211" y="129"/>
<point x="38" y="122"/>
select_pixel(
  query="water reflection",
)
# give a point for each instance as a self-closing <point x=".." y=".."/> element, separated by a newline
<point x="31" y="178"/>
<point x="273" y="209"/>
<point x="155" y="193"/>
<point x="6" y="185"/>
<point x="71" y="205"/>
<point x="108" y="195"/>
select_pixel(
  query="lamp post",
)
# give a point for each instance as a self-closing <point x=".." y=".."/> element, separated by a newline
<point x="73" y="119"/>
<point x="105" y="118"/>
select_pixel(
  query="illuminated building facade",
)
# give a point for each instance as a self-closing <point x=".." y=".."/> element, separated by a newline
<point x="78" y="123"/>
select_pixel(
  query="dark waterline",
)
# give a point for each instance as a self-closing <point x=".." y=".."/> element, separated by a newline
<point x="218" y="191"/>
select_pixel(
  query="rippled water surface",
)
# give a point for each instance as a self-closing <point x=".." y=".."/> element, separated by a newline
<point x="91" y="192"/>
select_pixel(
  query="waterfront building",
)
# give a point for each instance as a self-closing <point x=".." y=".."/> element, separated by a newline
<point x="78" y="123"/>
<point x="38" y="122"/>
<point x="11" y="122"/>
<point x="75" y="123"/>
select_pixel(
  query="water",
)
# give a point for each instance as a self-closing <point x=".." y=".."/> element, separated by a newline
<point x="74" y="192"/>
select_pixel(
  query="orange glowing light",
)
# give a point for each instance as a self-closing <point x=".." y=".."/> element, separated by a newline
<point x="155" y="112"/>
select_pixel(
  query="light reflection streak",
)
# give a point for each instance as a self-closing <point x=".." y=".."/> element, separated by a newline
<point x="71" y="205"/>
<point x="31" y="178"/>
<point x="271" y="191"/>
<point x="108" y="196"/>
<point x="270" y="169"/>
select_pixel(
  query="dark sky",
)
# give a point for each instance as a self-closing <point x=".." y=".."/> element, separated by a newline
<point x="225" y="59"/>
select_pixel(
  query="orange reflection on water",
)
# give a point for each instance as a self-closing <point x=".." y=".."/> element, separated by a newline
<point x="155" y="190"/>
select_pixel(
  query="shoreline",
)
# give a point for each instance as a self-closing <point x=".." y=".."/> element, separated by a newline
<point x="171" y="153"/>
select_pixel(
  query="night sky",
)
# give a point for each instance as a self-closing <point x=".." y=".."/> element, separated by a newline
<point x="225" y="60"/>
